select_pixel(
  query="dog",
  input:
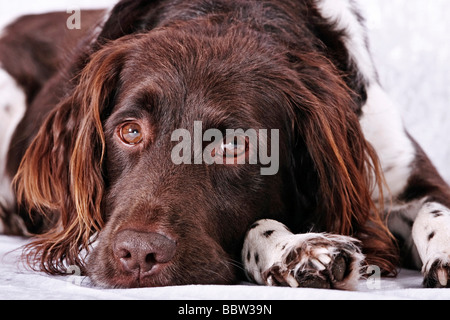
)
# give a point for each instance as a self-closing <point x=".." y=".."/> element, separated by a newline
<point x="87" y="148"/>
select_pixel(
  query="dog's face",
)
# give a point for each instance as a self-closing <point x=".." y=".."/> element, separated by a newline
<point x="109" y="154"/>
<point x="188" y="221"/>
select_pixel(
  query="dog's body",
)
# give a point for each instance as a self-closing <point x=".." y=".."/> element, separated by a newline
<point x="93" y="126"/>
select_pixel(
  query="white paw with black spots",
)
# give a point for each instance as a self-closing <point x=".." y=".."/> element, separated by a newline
<point x="431" y="234"/>
<point x="274" y="256"/>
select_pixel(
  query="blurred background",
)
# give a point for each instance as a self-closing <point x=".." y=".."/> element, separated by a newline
<point x="410" y="42"/>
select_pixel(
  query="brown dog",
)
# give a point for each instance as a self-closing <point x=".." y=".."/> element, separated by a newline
<point x="95" y="144"/>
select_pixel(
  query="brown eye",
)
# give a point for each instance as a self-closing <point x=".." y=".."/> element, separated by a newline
<point x="131" y="133"/>
<point x="234" y="148"/>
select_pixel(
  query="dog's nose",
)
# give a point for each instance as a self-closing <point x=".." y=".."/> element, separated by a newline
<point x="141" y="251"/>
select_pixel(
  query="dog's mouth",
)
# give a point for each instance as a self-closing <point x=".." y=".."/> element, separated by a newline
<point x="159" y="276"/>
<point x="171" y="274"/>
<point x="144" y="259"/>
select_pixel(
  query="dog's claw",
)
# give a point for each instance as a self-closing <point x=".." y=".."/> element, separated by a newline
<point x="437" y="276"/>
<point x="443" y="277"/>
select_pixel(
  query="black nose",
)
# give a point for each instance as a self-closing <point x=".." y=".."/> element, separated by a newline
<point x="142" y="251"/>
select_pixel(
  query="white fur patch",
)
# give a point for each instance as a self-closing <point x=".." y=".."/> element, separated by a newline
<point x="383" y="127"/>
<point x="381" y="121"/>
<point x="431" y="234"/>
<point x="12" y="110"/>
<point x="343" y="14"/>
<point x="269" y="249"/>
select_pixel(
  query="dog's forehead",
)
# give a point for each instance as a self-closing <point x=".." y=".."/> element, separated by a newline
<point x="190" y="82"/>
<point x="180" y="106"/>
<point x="176" y="57"/>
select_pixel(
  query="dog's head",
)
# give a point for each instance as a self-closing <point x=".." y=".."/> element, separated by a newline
<point x="170" y="208"/>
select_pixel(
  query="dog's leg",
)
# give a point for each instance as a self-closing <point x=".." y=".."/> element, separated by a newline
<point x="274" y="256"/>
<point x="431" y="234"/>
<point x="420" y="197"/>
<point x="415" y="187"/>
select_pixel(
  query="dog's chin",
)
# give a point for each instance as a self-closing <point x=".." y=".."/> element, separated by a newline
<point x="129" y="281"/>
<point x="126" y="281"/>
<point x="167" y="276"/>
<point x="133" y="280"/>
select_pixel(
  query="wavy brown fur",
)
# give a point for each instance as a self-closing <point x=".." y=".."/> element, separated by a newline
<point x="69" y="152"/>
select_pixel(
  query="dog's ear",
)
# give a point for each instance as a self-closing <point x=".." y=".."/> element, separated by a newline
<point x="336" y="168"/>
<point x="61" y="172"/>
<point x="128" y="17"/>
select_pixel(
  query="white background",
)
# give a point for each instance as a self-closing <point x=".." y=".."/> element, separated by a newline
<point x="411" y="45"/>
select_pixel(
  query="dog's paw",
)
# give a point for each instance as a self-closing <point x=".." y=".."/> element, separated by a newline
<point x="276" y="257"/>
<point x="437" y="273"/>
<point x="431" y="235"/>
<point x="320" y="261"/>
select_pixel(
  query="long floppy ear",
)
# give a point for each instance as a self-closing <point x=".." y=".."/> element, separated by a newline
<point x="61" y="173"/>
<point x="338" y="189"/>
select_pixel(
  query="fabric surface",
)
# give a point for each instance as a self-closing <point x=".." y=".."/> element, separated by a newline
<point x="17" y="282"/>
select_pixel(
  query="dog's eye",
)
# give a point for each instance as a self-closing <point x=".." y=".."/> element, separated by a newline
<point x="131" y="133"/>
<point x="233" y="147"/>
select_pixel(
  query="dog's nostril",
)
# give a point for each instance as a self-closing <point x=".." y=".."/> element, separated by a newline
<point x="142" y="250"/>
<point x="150" y="258"/>
<point x="123" y="254"/>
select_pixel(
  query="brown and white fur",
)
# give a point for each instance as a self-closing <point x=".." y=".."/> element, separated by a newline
<point x="418" y="203"/>
<point x="416" y="199"/>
